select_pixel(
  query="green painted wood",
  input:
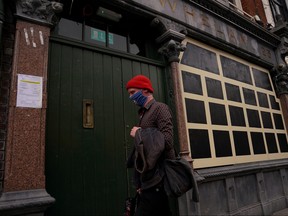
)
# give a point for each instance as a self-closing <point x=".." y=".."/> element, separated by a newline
<point x="85" y="168"/>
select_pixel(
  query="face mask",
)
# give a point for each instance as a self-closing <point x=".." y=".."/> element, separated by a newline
<point x="138" y="98"/>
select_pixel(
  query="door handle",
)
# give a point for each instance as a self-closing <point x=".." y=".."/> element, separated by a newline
<point x="88" y="114"/>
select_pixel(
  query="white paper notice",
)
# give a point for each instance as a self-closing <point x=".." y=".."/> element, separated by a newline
<point x="29" y="91"/>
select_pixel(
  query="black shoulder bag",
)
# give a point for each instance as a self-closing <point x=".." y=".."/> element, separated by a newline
<point x="179" y="178"/>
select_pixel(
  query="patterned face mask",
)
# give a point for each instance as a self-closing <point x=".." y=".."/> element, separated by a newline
<point x="138" y="98"/>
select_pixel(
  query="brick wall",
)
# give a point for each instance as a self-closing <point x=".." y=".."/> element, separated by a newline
<point x="255" y="7"/>
<point x="7" y="46"/>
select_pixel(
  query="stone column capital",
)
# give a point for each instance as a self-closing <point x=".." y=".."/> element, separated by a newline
<point x="40" y="11"/>
<point x="280" y="72"/>
<point x="281" y="79"/>
<point x="171" y="50"/>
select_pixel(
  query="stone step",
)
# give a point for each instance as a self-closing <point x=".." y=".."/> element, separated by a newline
<point x="283" y="212"/>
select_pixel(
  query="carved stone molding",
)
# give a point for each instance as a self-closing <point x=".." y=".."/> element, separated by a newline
<point x="170" y="34"/>
<point x="43" y="11"/>
<point x="28" y="202"/>
<point x="162" y="25"/>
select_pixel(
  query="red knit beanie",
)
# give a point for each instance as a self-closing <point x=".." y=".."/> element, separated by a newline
<point x="140" y="82"/>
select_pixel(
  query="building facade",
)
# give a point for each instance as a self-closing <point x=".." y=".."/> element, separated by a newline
<point x="65" y="117"/>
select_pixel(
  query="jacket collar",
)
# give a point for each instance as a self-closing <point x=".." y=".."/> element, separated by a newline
<point x="149" y="104"/>
<point x="142" y="110"/>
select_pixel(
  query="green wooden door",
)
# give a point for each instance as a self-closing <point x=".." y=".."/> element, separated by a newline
<point x="85" y="167"/>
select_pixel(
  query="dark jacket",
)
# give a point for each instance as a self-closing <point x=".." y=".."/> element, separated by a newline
<point x="147" y="157"/>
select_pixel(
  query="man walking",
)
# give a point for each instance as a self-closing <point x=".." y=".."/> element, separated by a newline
<point x="152" y="115"/>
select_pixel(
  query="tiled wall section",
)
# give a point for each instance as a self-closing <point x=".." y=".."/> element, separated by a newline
<point x="254" y="189"/>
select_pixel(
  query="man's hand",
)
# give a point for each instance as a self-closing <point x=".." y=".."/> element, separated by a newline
<point x="133" y="131"/>
<point x="139" y="191"/>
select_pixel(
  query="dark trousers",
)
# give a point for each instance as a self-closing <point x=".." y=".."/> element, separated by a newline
<point x="153" y="202"/>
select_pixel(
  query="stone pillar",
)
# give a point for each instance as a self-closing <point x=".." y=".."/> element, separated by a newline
<point x="280" y="78"/>
<point x="284" y="105"/>
<point x="24" y="179"/>
<point x="26" y="128"/>
<point x="181" y="121"/>
<point x="171" y="50"/>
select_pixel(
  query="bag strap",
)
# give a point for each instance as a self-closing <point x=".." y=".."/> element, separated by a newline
<point x="177" y="154"/>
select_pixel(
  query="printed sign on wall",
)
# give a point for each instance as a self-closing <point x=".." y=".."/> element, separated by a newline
<point x="29" y="91"/>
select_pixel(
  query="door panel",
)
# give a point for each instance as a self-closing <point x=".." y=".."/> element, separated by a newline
<point x="85" y="167"/>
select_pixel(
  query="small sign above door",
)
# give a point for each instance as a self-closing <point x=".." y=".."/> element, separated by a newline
<point x="99" y="35"/>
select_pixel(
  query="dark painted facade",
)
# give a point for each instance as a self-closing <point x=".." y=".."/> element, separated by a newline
<point x="223" y="75"/>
